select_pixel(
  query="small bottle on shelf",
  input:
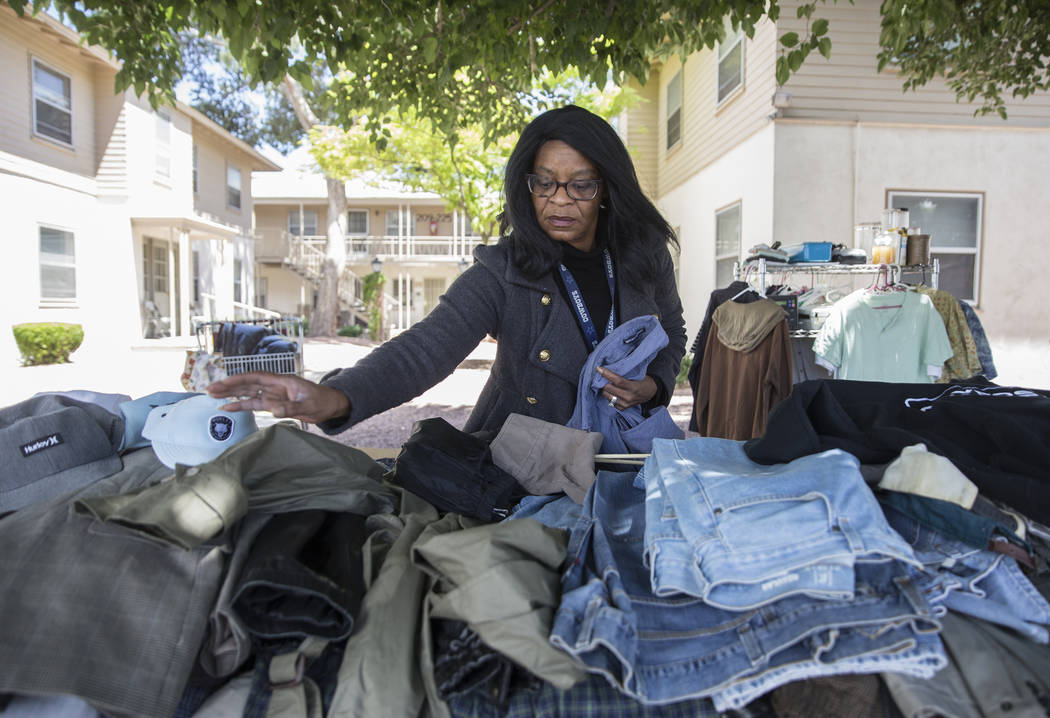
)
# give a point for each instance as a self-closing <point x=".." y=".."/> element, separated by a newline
<point x="884" y="250"/>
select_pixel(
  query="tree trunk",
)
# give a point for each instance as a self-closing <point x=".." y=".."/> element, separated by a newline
<point x="324" y="321"/>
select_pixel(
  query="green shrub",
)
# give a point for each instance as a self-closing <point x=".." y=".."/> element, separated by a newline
<point x="351" y="330"/>
<point x="47" y="342"/>
<point x="683" y="372"/>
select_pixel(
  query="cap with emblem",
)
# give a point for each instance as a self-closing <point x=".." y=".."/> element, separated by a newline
<point x="194" y="431"/>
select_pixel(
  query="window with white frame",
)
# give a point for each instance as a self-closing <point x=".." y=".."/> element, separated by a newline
<point x="195" y="161"/>
<point x="52" y="104"/>
<point x="304" y="225"/>
<point x="159" y="271"/>
<point x="393" y="224"/>
<point x="58" y="274"/>
<point x="357" y="222"/>
<point x="238" y="280"/>
<point x="233" y="186"/>
<point x="674" y="110"/>
<point x="730" y="61"/>
<point x="162" y="163"/>
<point x="953" y="220"/>
<point x="727" y="243"/>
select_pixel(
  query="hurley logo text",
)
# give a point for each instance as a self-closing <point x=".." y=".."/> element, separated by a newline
<point x="44" y="442"/>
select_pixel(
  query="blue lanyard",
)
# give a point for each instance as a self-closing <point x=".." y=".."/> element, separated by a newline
<point x="581" y="309"/>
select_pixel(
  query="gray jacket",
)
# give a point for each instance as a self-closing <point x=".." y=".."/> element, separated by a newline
<point x="540" y="349"/>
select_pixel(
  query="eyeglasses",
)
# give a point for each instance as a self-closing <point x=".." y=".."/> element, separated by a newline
<point x="581" y="189"/>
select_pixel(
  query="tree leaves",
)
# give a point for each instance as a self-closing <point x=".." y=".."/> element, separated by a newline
<point x="462" y="65"/>
<point x="984" y="49"/>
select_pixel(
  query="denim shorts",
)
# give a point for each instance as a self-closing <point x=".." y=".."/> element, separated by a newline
<point x="979" y="583"/>
<point x="661" y="649"/>
<point x="740" y="534"/>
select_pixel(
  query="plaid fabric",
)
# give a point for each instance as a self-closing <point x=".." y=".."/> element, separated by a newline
<point x="591" y="698"/>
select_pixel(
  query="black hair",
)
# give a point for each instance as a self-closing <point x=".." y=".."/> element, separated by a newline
<point x="629" y="225"/>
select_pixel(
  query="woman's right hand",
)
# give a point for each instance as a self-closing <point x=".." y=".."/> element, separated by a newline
<point x="283" y="395"/>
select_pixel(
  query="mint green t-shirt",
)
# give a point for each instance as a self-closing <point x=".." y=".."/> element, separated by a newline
<point x="895" y="336"/>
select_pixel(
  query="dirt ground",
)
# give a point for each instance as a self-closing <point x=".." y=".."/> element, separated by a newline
<point x="391" y="428"/>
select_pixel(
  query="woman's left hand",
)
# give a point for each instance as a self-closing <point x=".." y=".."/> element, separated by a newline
<point x="625" y="393"/>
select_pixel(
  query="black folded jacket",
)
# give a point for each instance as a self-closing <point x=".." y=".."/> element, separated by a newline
<point x="453" y="470"/>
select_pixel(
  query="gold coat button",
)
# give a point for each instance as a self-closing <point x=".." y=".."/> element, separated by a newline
<point x="545" y="300"/>
<point x="544" y="355"/>
<point x="531" y="399"/>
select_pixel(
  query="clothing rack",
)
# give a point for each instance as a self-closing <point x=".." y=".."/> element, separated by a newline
<point x="765" y="266"/>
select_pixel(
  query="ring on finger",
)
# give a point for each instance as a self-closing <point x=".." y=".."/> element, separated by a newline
<point x="612" y="402"/>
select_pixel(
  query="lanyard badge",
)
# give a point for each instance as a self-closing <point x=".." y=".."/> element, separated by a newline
<point x="580" y="308"/>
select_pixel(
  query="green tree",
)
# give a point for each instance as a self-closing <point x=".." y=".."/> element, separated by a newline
<point x="983" y="48"/>
<point x="453" y="64"/>
<point x="466" y="169"/>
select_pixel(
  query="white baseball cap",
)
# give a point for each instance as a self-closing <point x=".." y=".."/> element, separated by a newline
<point x="194" y="431"/>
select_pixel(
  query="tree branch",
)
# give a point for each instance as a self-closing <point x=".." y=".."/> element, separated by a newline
<point x="294" y="92"/>
<point x="518" y="25"/>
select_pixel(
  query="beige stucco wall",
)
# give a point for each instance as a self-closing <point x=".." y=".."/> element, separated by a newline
<point x="106" y="280"/>
<point x="744" y="174"/>
<point x="830" y="176"/>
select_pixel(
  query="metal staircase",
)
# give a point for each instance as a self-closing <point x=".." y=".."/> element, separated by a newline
<point x="306" y="257"/>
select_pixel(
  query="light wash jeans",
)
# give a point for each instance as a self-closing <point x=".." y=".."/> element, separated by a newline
<point x="740" y="534"/>
<point x="555" y="510"/>
<point x="662" y="649"/>
<point x="979" y="583"/>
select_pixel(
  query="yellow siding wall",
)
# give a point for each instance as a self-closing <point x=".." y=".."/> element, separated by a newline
<point x="111" y="139"/>
<point x="639" y="127"/>
<point x="709" y="130"/>
<point x="213" y="155"/>
<point x="848" y="88"/>
<point x="20" y="42"/>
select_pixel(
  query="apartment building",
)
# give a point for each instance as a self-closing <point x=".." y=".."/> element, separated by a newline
<point x="735" y="161"/>
<point x="418" y="244"/>
<point x="127" y="220"/>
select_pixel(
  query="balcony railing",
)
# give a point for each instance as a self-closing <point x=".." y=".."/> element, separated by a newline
<point x="306" y="255"/>
<point x="360" y="249"/>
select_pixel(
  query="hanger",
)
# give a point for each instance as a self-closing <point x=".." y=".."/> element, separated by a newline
<point x="748" y="288"/>
<point x="881" y="282"/>
<point x="885" y="288"/>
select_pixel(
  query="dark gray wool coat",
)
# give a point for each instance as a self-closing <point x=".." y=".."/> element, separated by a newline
<point x="540" y="350"/>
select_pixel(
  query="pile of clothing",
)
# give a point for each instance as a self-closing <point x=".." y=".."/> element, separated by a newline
<point x="876" y="551"/>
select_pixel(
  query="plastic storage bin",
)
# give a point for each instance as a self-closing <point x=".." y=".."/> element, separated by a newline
<point x="809" y="252"/>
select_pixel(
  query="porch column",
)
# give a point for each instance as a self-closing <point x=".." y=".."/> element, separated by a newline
<point x="185" y="280"/>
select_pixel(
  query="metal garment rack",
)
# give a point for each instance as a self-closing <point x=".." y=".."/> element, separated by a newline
<point x="764" y="267"/>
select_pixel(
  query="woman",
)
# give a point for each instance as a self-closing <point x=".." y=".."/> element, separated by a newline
<point x="581" y="249"/>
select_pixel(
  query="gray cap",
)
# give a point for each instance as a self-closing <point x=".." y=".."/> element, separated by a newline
<point x="51" y="445"/>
